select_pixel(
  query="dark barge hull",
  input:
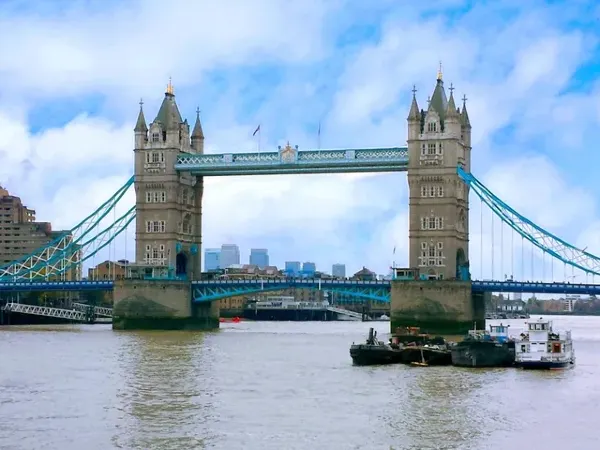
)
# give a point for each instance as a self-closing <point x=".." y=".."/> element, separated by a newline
<point x="432" y="357"/>
<point x="369" y="355"/>
<point x="483" y="354"/>
<point x="545" y="365"/>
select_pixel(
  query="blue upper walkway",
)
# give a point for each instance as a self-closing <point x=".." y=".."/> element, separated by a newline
<point x="368" y="290"/>
<point x="290" y="160"/>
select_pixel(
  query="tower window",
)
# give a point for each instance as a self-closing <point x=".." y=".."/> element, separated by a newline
<point x="432" y="254"/>
<point x="432" y="191"/>
<point x="184" y="196"/>
<point x="432" y="127"/>
<point x="156" y="226"/>
<point x="440" y="148"/>
<point x="155" y="137"/>
<point x="432" y="223"/>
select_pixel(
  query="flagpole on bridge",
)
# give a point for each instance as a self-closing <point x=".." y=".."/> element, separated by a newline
<point x="319" y="137"/>
<point x="259" y="136"/>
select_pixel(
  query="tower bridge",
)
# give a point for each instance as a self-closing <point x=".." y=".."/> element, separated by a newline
<point x="164" y="288"/>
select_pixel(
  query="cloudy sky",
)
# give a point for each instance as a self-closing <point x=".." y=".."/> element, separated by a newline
<point x="72" y="73"/>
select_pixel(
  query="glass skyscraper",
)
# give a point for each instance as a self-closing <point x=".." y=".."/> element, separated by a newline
<point x="230" y="255"/>
<point x="259" y="257"/>
<point x="292" y="268"/>
<point x="338" y="271"/>
<point x="212" y="259"/>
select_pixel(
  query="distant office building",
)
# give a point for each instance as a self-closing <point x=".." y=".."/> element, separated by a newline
<point x="292" y="268"/>
<point x="212" y="259"/>
<point x="338" y="271"/>
<point x="259" y="257"/>
<point x="309" y="269"/>
<point x="230" y="255"/>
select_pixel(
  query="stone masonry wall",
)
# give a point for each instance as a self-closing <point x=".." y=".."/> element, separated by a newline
<point x="437" y="307"/>
<point x="160" y="304"/>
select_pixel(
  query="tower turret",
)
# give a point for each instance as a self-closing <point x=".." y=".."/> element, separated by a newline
<point x="141" y="130"/>
<point x="414" y="118"/>
<point x="453" y="122"/>
<point x="198" y="135"/>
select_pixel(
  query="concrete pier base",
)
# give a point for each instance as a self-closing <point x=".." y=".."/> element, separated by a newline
<point x="160" y="305"/>
<point x="437" y="307"/>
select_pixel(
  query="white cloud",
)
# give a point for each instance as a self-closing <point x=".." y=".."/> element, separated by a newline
<point x="133" y="47"/>
<point x="515" y="74"/>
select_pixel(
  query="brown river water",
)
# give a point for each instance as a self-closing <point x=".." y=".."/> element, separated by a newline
<point x="280" y="385"/>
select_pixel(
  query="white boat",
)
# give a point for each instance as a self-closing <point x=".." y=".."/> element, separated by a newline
<point x="543" y="348"/>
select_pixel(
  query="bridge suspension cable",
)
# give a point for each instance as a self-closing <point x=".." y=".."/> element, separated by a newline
<point x="52" y="259"/>
<point x="536" y="235"/>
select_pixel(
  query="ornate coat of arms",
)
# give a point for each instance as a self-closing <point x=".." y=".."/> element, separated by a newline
<point x="288" y="154"/>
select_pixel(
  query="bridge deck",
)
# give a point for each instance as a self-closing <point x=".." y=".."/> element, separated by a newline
<point x="244" y="286"/>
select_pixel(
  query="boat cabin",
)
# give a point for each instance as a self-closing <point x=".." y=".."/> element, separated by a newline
<point x="540" y="338"/>
<point x="499" y="332"/>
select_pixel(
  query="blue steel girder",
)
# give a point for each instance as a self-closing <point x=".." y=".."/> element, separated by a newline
<point x="379" y="295"/>
<point x="292" y="161"/>
<point x="50" y="286"/>
<point x="217" y="289"/>
<point x="535" y="288"/>
<point x="538" y="236"/>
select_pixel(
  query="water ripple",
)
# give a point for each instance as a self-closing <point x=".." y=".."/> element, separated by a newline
<point x="277" y="386"/>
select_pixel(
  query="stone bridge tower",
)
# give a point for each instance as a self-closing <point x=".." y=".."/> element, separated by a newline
<point x="439" y="140"/>
<point x="168" y="203"/>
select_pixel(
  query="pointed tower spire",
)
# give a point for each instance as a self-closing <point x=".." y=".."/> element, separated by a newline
<point x="414" y="107"/>
<point x="140" y="125"/>
<point x="168" y="114"/>
<point x="197" y="132"/>
<point x="465" y="115"/>
<point x="439" y="102"/>
<point x="451" y="111"/>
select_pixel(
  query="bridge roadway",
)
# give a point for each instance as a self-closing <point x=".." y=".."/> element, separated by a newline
<point x="211" y="290"/>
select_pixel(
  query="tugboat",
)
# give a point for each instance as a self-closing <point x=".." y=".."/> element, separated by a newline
<point x="482" y="348"/>
<point x="375" y="352"/>
<point x="543" y="348"/>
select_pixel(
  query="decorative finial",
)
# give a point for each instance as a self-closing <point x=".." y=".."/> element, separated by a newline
<point x="439" y="76"/>
<point x="198" y="112"/>
<point x="464" y="99"/>
<point x="451" y="88"/>
<point x="414" y="90"/>
<point x="141" y="102"/>
<point x="428" y="99"/>
<point x="170" y="87"/>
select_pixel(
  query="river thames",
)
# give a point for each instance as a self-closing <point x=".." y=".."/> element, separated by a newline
<point x="280" y="385"/>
